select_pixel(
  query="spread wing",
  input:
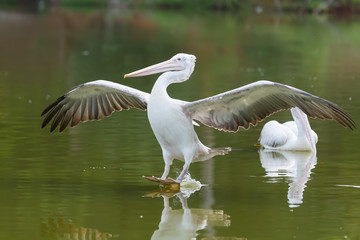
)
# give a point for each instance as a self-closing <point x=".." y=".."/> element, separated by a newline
<point x="250" y="104"/>
<point x="92" y="101"/>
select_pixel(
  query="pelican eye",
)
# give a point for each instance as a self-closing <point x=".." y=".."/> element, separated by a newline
<point x="179" y="59"/>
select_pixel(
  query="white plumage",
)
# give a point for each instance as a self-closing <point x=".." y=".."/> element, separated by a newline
<point x="294" y="135"/>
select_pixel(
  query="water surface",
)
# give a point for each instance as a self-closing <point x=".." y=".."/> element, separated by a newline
<point x="88" y="180"/>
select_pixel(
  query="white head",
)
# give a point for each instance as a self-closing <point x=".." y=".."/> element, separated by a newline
<point x="181" y="63"/>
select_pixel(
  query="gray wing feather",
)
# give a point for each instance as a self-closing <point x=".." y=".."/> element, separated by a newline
<point x="250" y="104"/>
<point x="92" y="101"/>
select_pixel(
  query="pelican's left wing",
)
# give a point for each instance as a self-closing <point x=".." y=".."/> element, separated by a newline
<point x="254" y="102"/>
<point x="92" y="101"/>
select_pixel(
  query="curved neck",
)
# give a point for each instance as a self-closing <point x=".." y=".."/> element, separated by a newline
<point x="168" y="78"/>
<point x="303" y="126"/>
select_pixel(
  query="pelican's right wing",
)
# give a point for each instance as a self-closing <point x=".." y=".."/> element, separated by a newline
<point x="92" y="101"/>
<point x="254" y="102"/>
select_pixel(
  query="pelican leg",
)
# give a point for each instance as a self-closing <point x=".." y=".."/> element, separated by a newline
<point x="184" y="172"/>
<point x="168" y="162"/>
<point x="166" y="171"/>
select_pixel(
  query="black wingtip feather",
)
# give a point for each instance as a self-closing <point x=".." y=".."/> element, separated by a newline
<point x="52" y="105"/>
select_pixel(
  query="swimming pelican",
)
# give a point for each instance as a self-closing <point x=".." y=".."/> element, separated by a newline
<point x="294" y="135"/>
<point x="172" y="120"/>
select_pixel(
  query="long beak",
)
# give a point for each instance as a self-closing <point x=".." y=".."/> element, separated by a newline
<point x="169" y="65"/>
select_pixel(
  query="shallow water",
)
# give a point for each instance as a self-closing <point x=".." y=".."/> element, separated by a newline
<point x="87" y="181"/>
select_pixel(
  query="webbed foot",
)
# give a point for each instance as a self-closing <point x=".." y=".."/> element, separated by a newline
<point x="168" y="183"/>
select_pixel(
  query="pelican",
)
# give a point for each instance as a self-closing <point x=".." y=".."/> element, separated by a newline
<point x="294" y="135"/>
<point x="172" y="120"/>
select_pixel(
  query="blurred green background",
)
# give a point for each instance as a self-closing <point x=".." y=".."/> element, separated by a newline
<point x="299" y="6"/>
<point x="87" y="181"/>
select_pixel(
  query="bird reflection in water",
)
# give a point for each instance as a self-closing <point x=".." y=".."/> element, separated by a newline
<point x="184" y="223"/>
<point x="60" y="228"/>
<point x="291" y="165"/>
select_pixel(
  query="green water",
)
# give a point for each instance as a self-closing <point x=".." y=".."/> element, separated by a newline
<point x="87" y="181"/>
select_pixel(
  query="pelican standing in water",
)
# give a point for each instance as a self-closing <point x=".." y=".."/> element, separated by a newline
<point x="172" y="120"/>
<point x="294" y="135"/>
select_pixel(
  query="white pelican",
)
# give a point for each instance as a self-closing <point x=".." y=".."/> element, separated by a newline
<point x="292" y="135"/>
<point x="172" y="120"/>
